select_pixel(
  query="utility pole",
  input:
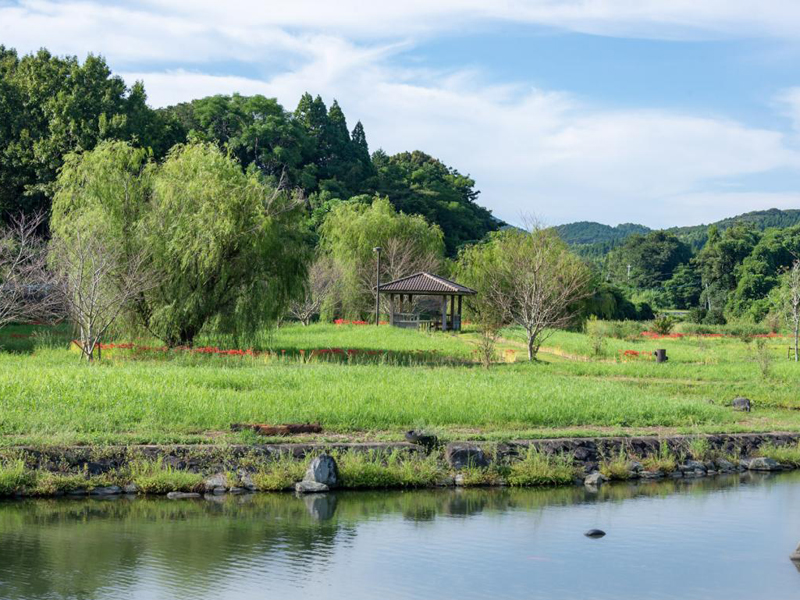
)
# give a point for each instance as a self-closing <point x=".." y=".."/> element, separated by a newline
<point x="629" y="271"/>
<point x="377" y="250"/>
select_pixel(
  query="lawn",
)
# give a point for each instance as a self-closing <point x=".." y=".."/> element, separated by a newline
<point x="391" y="381"/>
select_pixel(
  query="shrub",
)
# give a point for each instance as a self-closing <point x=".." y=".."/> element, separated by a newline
<point x="381" y="470"/>
<point x="280" y="474"/>
<point x="14" y="477"/>
<point x="697" y="315"/>
<point x="699" y="448"/>
<point x="617" y="467"/>
<point x="786" y="455"/>
<point x="664" y="460"/>
<point x="538" y="468"/>
<point x="155" y="477"/>
<point x="663" y="325"/>
<point x="763" y="358"/>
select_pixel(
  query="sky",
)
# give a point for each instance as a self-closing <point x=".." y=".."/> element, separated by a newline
<point x="660" y="112"/>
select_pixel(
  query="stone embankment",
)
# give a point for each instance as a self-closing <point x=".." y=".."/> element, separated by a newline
<point x="231" y="469"/>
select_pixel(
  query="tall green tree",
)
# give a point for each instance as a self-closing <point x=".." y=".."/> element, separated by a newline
<point x="526" y="278"/>
<point x="53" y="106"/>
<point x="760" y="271"/>
<point x="353" y="229"/>
<point x="231" y="250"/>
<point x="718" y="260"/>
<point x="647" y="261"/>
<point x="420" y="184"/>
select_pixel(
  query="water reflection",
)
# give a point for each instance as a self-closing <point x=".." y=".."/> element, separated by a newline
<point x="384" y="544"/>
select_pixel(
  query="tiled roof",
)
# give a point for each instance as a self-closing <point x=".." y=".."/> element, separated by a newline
<point x="426" y="283"/>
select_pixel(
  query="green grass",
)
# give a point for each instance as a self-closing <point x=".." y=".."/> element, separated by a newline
<point x="155" y="477"/>
<point x="539" y="469"/>
<point x="48" y="396"/>
<point x="786" y="455"/>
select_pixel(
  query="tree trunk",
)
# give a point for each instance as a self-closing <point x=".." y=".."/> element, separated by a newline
<point x="530" y="347"/>
<point x="796" y="340"/>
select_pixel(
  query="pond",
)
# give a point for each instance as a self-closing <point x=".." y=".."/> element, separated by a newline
<point x="709" y="538"/>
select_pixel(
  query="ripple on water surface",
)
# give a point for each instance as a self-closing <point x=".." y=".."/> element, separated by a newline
<point x="726" y="538"/>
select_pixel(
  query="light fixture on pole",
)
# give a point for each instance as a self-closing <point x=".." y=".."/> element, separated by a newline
<point x="377" y="250"/>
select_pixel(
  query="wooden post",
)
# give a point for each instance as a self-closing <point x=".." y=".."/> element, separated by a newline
<point x="459" y="312"/>
<point x="391" y="308"/>
<point x="453" y="313"/>
<point x="444" y="313"/>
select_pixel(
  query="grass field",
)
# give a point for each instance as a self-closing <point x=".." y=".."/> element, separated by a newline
<point x="389" y="381"/>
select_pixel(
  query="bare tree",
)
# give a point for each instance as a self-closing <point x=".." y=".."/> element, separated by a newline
<point x="533" y="281"/>
<point x="792" y="305"/>
<point x="97" y="282"/>
<point x="400" y="257"/>
<point x="26" y="290"/>
<point x="323" y="276"/>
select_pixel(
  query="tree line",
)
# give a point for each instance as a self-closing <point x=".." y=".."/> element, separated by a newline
<point x="53" y="106"/>
<point x="228" y="213"/>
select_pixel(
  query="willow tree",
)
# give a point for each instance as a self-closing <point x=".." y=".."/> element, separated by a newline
<point x="101" y="268"/>
<point x="222" y="248"/>
<point x="230" y="249"/>
<point x="526" y="278"/>
<point x="351" y="231"/>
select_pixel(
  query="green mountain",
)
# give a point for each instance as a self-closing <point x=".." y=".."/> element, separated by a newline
<point x="589" y="232"/>
<point x="595" y="239"/>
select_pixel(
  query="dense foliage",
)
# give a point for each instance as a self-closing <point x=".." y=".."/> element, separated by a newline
<point x="223" y="248"/>
<point x="53" y="106"/>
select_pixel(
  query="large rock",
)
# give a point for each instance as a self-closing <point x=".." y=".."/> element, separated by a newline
<point x="323" y="470"/>
<point x="460" y="456"/>
<point x="741" y="404"/>
<point x="764" y="464"/>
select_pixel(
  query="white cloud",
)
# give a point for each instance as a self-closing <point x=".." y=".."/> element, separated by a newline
<point x="530" y="150"/>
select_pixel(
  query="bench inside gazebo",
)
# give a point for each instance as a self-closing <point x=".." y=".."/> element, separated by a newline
<point x="401" y="293"/>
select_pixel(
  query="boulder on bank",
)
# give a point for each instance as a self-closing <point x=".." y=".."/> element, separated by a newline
<point x="323" y="470"/>
<point x="742" y="404"/>
<point x="459" y="456"/>
<point x="322" y="475"/>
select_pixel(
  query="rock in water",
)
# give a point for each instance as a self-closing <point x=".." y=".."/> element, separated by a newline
<point x="323" y="470"/>
<point x="741" y="404"/>
<point x="595" y="533"/>
<point x="594" y="480"/>
<point x="310" y="487"/>
<point x="762" y="463"/>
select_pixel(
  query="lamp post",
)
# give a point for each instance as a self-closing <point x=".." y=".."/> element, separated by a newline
<point x="377" y="250"/>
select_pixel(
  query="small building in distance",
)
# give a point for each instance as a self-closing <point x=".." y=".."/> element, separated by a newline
<point x="402" y="292"/>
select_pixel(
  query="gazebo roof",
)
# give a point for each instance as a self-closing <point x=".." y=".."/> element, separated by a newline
<point x="426" y="283"/>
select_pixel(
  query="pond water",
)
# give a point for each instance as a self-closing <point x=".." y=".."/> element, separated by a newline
<point x="718" y="538"/>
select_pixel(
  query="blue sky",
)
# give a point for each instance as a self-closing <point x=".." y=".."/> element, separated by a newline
<point x="663" y="112"/>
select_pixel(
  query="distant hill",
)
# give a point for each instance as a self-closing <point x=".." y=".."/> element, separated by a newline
<point x="589" y="232"/>
<point x="595" y="239"/>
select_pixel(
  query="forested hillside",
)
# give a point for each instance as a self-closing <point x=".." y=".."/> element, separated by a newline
<point x="596" y="239"/>
<point x="52" y="106"/>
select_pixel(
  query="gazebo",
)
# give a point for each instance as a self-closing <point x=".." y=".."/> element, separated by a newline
<point x="424" y="284"/>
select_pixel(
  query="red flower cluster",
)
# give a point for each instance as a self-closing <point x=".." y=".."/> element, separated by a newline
<point x="346" y="322"/>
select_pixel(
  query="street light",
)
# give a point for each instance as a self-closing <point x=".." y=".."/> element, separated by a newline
<point x="377" y="250"/>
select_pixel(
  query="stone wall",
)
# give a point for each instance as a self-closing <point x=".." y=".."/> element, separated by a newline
<point x="586" y="452"/>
